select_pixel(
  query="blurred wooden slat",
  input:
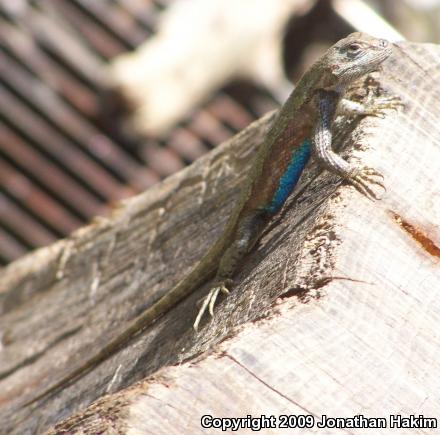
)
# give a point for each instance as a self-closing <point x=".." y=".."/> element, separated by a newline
<point x="117" y="19"/>
<point x="60" y="147"/>
<point x="164" y="160"/>
<point x="49" y="103"/>
<point x="57" y="36"/>
<point x="22" y="224"/>
<point x="97" y="37"/>
<point x="186" y="143"/>
<point x="10" y="247"/>
<point x="36" y="200"/>
<point x="49" y="175"/>
<point x="22" y="44"/>
<point x="208" y="126"/>
<point x="228" y="110"/>
<point x="143" y="10"/>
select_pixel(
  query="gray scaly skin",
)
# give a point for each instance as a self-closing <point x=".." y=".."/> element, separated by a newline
<point x="307" y="115"/>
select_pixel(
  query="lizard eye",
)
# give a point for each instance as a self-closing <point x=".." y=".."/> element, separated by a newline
<point x="353" y="47"/>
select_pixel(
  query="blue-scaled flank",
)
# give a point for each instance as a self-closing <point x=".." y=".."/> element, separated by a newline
<point x="291" y="175"/>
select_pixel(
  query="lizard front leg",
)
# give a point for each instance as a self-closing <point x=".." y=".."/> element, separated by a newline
<point x="377" y="107"/>
<point x="246" y="235"/>
<point x="361" y="177"/>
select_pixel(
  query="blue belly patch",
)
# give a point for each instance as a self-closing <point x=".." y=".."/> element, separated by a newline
<point x="291" y="175"/>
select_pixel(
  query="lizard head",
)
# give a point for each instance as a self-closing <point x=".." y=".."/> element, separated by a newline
<point x="355" y="56"/>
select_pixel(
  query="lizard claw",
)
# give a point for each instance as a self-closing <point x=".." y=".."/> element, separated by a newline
<point x="363" y="177"/>
<point x="209" y="302"/>
<point x="380" y="105"/>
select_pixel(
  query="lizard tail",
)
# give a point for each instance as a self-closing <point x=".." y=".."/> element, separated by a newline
<point x="198" y="275"/>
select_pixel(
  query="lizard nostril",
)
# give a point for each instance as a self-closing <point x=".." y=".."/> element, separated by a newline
<point x="383" y="43"/>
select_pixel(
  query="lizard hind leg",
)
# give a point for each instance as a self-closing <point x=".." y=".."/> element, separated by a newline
<point x="222" y="280"/>
<point x="246" y="235"/>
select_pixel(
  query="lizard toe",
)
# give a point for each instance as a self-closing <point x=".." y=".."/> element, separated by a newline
<point x="209" y="303"/>
<point x="363" y="178"/>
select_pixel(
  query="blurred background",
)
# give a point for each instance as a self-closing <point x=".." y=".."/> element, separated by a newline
<point x="101" y="99"/>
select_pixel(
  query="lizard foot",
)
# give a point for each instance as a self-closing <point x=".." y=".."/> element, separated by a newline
<point x="361" y="178"/>
<point x="379" y="106"/>
<point x="209" y="302"/>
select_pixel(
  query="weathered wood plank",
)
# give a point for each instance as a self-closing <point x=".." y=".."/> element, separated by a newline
<point x="345" y="290"/>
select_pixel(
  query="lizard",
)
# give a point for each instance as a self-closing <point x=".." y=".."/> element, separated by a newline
<point x="303" y="126"/>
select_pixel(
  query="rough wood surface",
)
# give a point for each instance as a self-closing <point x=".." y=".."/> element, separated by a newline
<point x="335" y="312"/>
